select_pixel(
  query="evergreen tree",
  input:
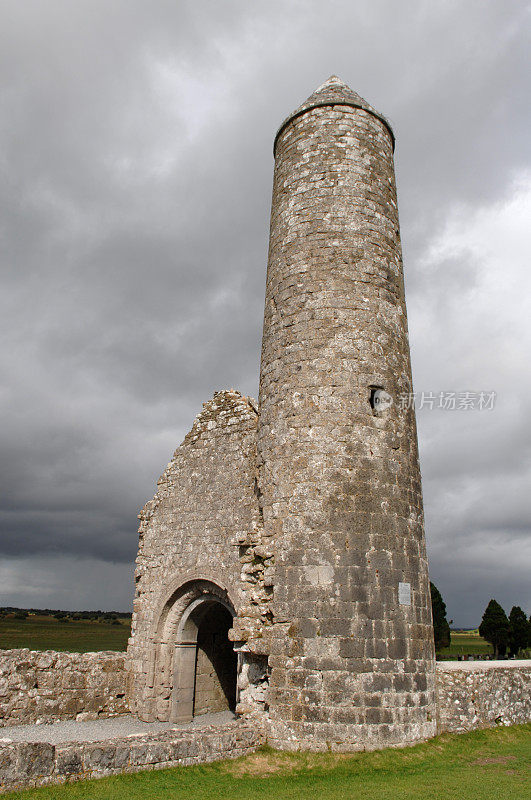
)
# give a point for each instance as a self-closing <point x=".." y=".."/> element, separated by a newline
<point x="495" y="627"/>
<point x="441" y="628"/>
<point x="518" y="630"/>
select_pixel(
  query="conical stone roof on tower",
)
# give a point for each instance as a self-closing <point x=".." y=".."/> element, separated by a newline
<point x="334" y="92"/>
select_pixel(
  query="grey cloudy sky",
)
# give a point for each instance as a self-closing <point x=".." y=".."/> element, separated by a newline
<point x="136" y="170"/>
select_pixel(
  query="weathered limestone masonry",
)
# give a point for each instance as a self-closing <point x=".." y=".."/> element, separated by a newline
<point x="25" y="764"/>
<point x="189" y="558"/>
<point x="482" y="694"/>
<point x="304" y="521"/>
<point x="351" y="646"/>
<point x="49" y="686"/>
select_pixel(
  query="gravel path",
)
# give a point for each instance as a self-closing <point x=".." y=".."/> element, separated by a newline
<point x="100" y="729"/>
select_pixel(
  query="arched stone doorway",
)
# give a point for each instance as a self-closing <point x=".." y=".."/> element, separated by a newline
<point x="197" y="665"/>
<point x="205" y="664"/>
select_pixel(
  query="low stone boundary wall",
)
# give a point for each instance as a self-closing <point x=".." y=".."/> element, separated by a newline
<point x="48" y="686"/>
<point x="25" y="764"/>
<point x="481" y="694"/>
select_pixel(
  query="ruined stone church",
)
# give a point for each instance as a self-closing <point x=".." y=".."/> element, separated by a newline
<point x="282" y="567"/>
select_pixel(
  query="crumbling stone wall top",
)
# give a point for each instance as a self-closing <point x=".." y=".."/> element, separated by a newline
<point x="226" y="410"/>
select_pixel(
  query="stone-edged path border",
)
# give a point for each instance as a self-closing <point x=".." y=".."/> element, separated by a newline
<point x="26" y="764"/>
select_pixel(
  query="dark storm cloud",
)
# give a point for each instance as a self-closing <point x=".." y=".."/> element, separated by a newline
<point x="135" y="152"/>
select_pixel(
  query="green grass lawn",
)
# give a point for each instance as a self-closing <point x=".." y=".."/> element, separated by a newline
<point x="75" y="636"/>
<point x="466" y="643"/>
<point x="483" y="765"/>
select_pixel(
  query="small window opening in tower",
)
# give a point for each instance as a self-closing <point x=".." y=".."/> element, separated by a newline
<point x="379" y="399"/>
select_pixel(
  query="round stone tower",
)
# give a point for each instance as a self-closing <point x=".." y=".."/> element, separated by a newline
<point x="351" y="643"/>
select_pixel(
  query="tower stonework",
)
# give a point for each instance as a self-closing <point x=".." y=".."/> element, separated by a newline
<point x="294" y="529"/>
<point x="339" y="472"/>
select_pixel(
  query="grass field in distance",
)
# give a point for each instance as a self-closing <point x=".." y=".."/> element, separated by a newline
<point x="44" y="632"/>
<point x="466" y="643"/>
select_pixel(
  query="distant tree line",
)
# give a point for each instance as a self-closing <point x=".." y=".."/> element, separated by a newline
<point x="59" y="614"/>
<point x="505" y="633"/>
<point x="512" y="633"/>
